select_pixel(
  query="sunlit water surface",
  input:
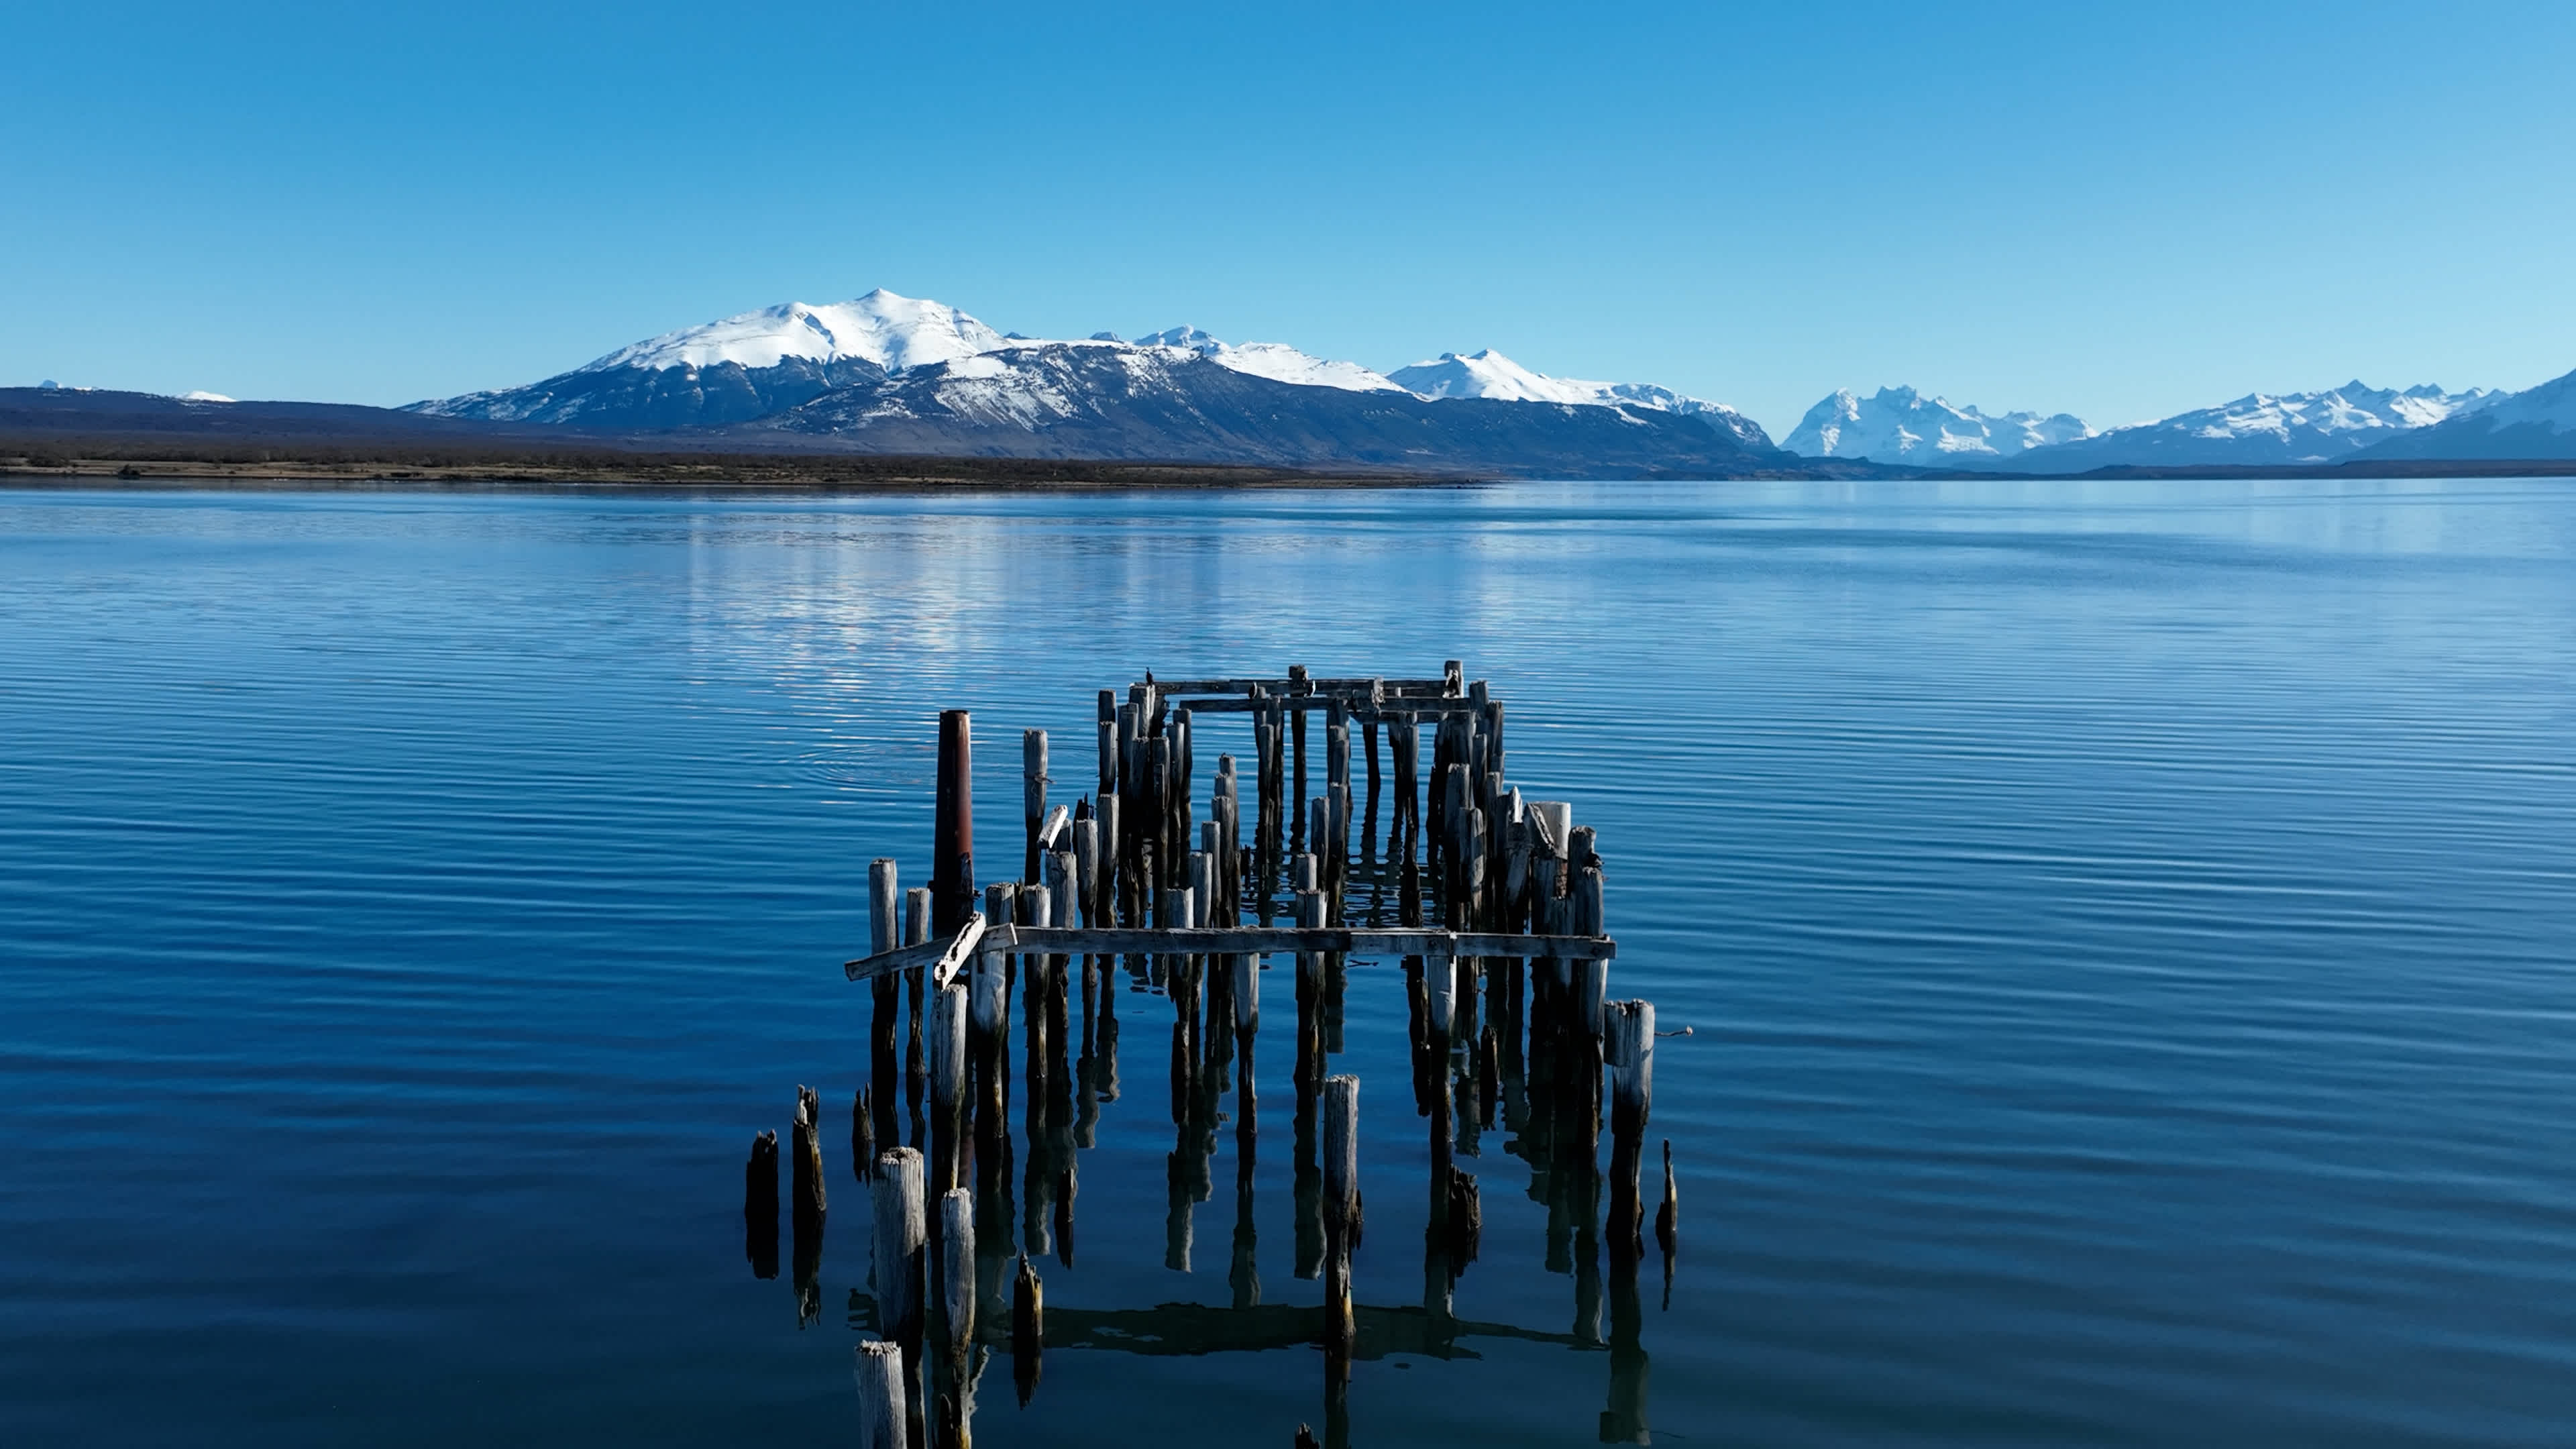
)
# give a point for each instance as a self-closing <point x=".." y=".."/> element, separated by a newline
<point x="2129" y="931"/>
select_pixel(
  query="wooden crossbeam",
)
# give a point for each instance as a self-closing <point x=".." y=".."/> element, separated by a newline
<point x="1170" y="687"/>
<point x="1357" y="708"/>
<point x="978" y="940"/>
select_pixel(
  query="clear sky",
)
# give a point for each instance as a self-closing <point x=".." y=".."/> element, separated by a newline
<point x="2117" y="210"/>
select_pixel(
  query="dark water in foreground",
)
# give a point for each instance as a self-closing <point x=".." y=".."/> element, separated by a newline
<point x="2130" y="933"/>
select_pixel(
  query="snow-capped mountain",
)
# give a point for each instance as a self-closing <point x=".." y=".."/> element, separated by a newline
<point x="890" y="331"/>
<point x="1900" y="425"/>
<point x="889" y="372"/>
<point x="2264" y="428"/>
<point x="1274" y="360"/>
<point x="740" y="367"/>
<point x="1489" y="374"/>
<point x="1110" y="400"/>
<point x="2535" y="423"/>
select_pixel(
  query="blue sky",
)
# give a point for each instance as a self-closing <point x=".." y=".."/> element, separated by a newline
<point x="2120" y="211"/>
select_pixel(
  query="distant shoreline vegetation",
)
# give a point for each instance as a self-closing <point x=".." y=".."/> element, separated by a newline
<point x="38" y="460"/>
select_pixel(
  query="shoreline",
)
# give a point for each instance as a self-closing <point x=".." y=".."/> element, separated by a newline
<point x="362" y="469"/>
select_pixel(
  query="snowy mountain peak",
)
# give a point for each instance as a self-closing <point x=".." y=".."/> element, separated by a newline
<point x="1901" y="425"/>
<point x="1274" y="360"/>
<point x="1489" y="374"/>
<point x="2269" y="428"/>
<point x="893" y="332"/>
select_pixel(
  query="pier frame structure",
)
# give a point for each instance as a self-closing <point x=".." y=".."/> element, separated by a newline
<point x="1493" y="902"/>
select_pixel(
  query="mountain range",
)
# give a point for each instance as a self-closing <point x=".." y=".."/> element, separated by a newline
<point x="2354" y="422"/>
<point x="892" y="374"/>
<point x="888" y="375"/>
<point x="1900" y="425"/>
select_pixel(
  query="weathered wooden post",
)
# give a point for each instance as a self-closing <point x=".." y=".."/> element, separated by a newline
<point x="760" y="1206"/>
<point x="957" y="1267"/>
<point x="877" y="1366"/>
<point x="947" y="1039"/>
<point x="1228" y="809"/>
<point x="806" y="1166"/>
<point x="952" y="862"/>
<point x="1465" y="1226"/>
<point x="916" y="932"/>
<point x="1086" y="870"/>
<point x="1033" y="787"/>
<point x="1341" y="1113"/>
<point x="863" y="1137"/>
<point x="1297" y="685"/>
<point x="1028" y="1329"/>
<point x="1629" y="1050"/>
<point x="1108" y="742"/>
<point x="1112" y="810"/>
<point x="1310" y="989"/>
<point x="1489" y="1074"/>
<point x="1668" y="1218"/>
<point x="902" y="1231"/>
<point x="885" y="932"/>
<point x="1592" y="974"/>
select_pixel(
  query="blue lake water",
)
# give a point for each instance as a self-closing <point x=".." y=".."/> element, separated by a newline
<point x="2129" y="932"/>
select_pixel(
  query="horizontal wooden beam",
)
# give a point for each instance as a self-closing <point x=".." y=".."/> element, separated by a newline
<point x="1358" y="709"/>
<point x="1233" y="940"/>
<point x="1169" y="687"/>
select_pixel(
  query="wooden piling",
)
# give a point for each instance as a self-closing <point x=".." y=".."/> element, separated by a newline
<point x="760" y="1205"/>
<point x="1297" y="725"/>
<point x="1628" y="1049"/>
<point x="806" y="1164"/>
<point x="863" y="1137"/>
<point x="1028" y="1328"/>
<point x="1113" y="811"/>
<point x="884" y="934"/>
<point x="1246" y="995"/>
<point x="902" y="1231"/>
<point x="1086" y="870"/>
<point x="877" y="1366"/>
<point x="957" y="1267"/>
<point x="1489" y="1074"/>
<point x="952" y="865"/>
<point x="947" y="1043"/>
<point x="1464" y="1228"/>
<point x="1033" y="788"/>
<point x="1341" y="1124"/>
<point x="1108" y="742"/>
<point x="1668" y="1218"/>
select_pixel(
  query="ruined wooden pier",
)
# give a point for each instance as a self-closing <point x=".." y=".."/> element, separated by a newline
<point x="1491" y="902"/>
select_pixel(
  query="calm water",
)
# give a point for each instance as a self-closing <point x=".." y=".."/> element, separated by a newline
<point x="2130" y="932"/>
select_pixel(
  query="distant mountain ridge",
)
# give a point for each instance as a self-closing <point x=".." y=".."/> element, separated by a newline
<point x="1489" y="374"/>
<point x="1900" y="425"/>
<point x="885" y="373"/>
<point x="2263" y="429"/>
<point x="2536" y="423"/>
